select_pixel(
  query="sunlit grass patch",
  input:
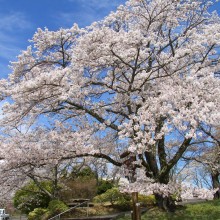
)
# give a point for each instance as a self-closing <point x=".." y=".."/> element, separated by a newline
<point x="201" y="211"/>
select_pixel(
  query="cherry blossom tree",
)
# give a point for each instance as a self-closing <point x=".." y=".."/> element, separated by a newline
<point x="208" y="157"/>
<point x="145" y="72"/>
<point x="211" y="159"/>
<point x="45" y="155"/>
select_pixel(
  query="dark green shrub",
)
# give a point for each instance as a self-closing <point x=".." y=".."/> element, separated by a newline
<point x="111" y="195"/>
<point x="146" y="200"/>
<point x="37" y="214"/>
<point x="103" y="186"/>
<point x="85" y="172"/>
<point x="124" y="203"/>
<point x="116" y="198"/>
<point x="56" y="207"/>
<point x="30" y="197"/>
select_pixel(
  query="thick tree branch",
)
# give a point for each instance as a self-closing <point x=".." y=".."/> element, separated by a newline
<point x="96" y="155"/>
<point x="93" y="114"/>
<point x="175" y="158"/>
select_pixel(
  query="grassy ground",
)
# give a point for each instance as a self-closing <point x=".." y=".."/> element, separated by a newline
<point x="202" y="211"/>
<point x="96" y="210"/>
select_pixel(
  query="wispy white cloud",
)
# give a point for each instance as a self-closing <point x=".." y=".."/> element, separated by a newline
<point x="8" y="52"/>
<point x="87" y="11"/>
<point x="14" y="20"/>
<point x="66" y="19"/>
<point x="97" y="3"/>
<point x="12" y="27"/>
<point x="5" y="37"/>
<point x="4" y="71"/>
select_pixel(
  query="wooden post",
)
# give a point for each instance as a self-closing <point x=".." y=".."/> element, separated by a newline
<point x="87" y="209"/>
<point x="136" y="214"/>
<point x="130" y="158"/>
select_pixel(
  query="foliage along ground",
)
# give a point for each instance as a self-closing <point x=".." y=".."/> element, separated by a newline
<point x="201" y="211"/>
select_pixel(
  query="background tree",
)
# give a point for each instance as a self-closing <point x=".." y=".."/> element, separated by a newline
<point x="145" y="72"/>
<point x="209" y="158"/>
<point x="79" y="183"/>
<point x="41" y="155"/>
<point x="30" y="197"/>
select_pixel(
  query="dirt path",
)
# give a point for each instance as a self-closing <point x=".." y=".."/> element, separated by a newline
<point x="22" y="217"/>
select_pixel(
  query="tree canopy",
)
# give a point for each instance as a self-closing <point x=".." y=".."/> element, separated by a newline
<point x="145" y="74"/>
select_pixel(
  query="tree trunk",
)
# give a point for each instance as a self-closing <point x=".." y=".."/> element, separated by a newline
<point x="55" y="188"/>
<point x="136" y="214"/>
<point x="165" y="203"/>
<point x="216" y="184"/>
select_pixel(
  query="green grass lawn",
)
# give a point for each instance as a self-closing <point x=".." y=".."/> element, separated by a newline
<point x="202" y="211"/>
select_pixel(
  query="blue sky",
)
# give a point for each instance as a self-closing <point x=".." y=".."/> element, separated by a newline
<point x="19" y="19"/>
